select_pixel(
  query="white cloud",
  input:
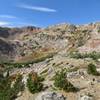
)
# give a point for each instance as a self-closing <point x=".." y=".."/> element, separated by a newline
<point x="7" y="16"/>
<point x="3" y="23"/>
<point x="38" y="8"/>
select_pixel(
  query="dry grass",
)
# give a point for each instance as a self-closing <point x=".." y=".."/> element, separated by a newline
<point x="37" y="56"/>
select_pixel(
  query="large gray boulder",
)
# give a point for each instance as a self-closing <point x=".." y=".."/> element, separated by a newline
<point x="50" y="96"/>
<point x="85" y="97"/>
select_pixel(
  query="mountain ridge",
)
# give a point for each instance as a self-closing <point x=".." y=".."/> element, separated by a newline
<point x="82" y="38"/>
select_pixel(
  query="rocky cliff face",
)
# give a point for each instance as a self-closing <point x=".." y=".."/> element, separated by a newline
<point x="71" y="38"/>
<point x="9" y="45"/>
<point x="12" y="32"/>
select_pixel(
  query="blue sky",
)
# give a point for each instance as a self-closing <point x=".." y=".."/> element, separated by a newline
<point x="48" y="12"/>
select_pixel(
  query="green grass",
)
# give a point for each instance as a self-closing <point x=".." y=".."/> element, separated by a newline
<point x="72" y="70"/>
<point x="26" y="64"/>
<point x="93" y="55"/>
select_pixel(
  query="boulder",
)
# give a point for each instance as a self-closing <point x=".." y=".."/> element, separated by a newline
<point x="50" y="96"/>
<point x="85" y="97"/>
<point x="72" y="74"/>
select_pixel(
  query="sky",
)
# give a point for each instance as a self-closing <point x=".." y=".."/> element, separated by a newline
<point x="42" y="13"/>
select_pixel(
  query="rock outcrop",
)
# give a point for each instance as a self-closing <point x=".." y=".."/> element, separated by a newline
<point x="50" y="96"/>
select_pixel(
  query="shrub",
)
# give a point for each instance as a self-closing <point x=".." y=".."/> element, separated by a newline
<point x="34" y="83"/>
<point x="99" y="31"/>
<point x="18" y="86"/>
<point x="61" y="82"/>
<point x="92" y="69"/>
<point x="6" y="91"/>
